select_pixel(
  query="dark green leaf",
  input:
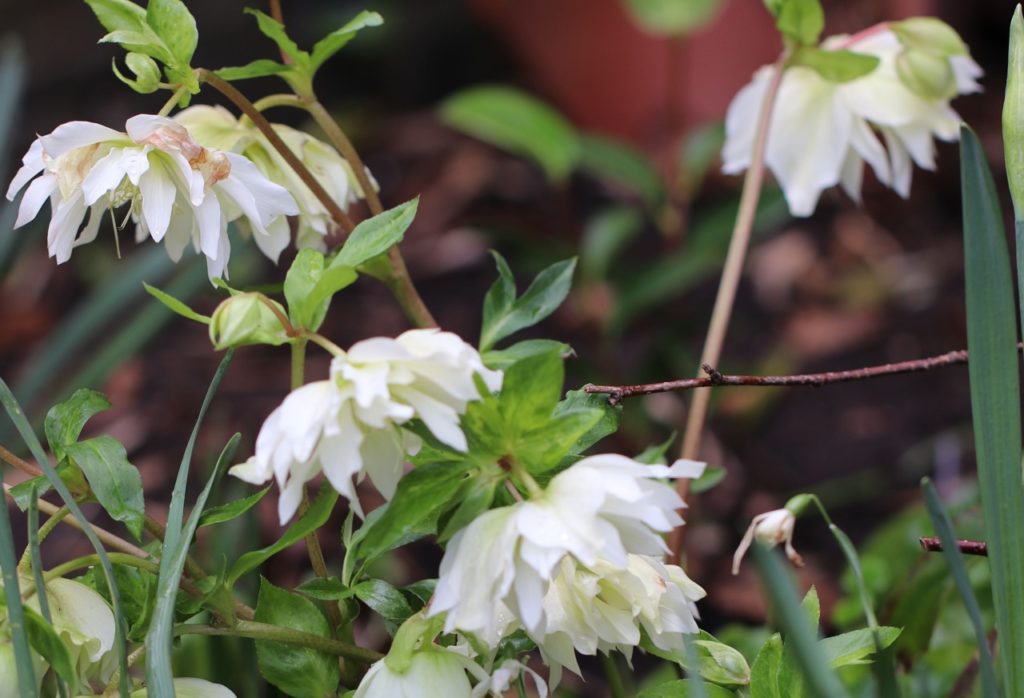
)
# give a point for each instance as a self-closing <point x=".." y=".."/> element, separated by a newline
<point x="375" y="236"/>
<point x="605" y="236"/>
<point x="518" y="122"/>
<point x="608" y="424"/>
<point x="545" y="447"/>
<point x="801" y="21"/>
<point x="621" y="164"/>
<point x="45" y="640"/>
<point x="336" y="40"/>
<point x="231" y="510"/>
<point x="174" y="305"/>
<point x="315" y="517"/>
<point x="836" y="66"/>
<point x="995" y="399"/>
<point x="474" y="498"/>
<point x="421" y="495"/>
<point x="69" y="474"/>
<point x="64" y="421"/>
<point x="15" y="611"/>
<point x="683" y="688"/>
<point x="115" y="482"/>
<point x="298" y="671"/>
<point x="530" y="390"/>
<point x="259" y="68"/>
<point x="712" y="476"/>
<point x="173" y="23"/>
<point x="177" y="538"/>
<point x="386" y="600"/>
<point x="656" y="455"/>
<point x="329" y="589"/>
<point x="545" y="294"/>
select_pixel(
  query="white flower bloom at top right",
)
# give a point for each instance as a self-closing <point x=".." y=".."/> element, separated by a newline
<point x="822" y="132"/>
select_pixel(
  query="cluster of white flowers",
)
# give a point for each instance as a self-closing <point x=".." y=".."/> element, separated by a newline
<point x="821" y="131"/>
<point x="576" y="566"/>
<point x="178" y="191"/>
<point x="350" y="425"/>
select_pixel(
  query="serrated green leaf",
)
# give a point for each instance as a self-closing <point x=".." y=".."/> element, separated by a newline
<point x="176" y="306"/>
<point x="518" y="122"/>
<point x="856" y="646"/>
<point x="387" y="601"/>
<point x="118" y="15"/>
<point x="115" y="482"/>
<point x="176" y="26"/>
<point x="836" y="66"/>
<point x="336" y="40"/>
<point x="275" y="31"/>
<point x="420" y="496"/>
<point x="608" y="424"/>
<point x="801" y="21"/>
<point x="503" y="316"/>
<point x="301" y="672"/>
<point x="995" y="399"/>
<point x="375" y="236"/>
<point x="64" y="421"/>
<point x="530" y="390"/>
<point x="764" y="672"/>
<point x="315" y="517"/>
<point x="232" y="510"/>
<point x="259" y="68"/>
<point x="501" y="359"/>
<point x="543" y="448"/>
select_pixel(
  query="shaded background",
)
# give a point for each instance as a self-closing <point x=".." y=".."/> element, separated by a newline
<point x="849" y="287"/>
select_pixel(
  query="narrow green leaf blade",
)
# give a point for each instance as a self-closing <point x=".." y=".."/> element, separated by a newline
<point x="958" y="569"/>
<point x="159" y="676"/>
<point x="337" y="39"/>
<point x="259" y="68"/>
<point x="542" y="298"/>
<point x="176" y="306"/>
<point x="995" y="400"/>
<point x="27" y="684"/>
<point x="231" y="510"/>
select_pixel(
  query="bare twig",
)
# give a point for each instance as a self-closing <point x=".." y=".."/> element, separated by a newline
<point x="967" y="547"/>
<point x="617" y="393"/>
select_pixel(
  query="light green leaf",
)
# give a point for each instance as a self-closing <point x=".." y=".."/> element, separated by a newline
<point x="298" y="671"/>
<point x="118" y="15"/>
<point x="275" y="31"/>
<point x="505" y="314"/>
<point x="45" y="640"/>
<point x="801" y="21"/>
<point x="608" y="424"/>
<point x="231" y="510"/>
<point x="176" y="26"/>
<point x="671" y="17"/>
<point x="856" y="646"/>
<point x="146" y="71"/>
<point x="501" y="359"/>
<point x="836" y="66"/>
<point x="545" y="447"/>
<point x="115" y="482"/>
<point x="530" y="391"/>
<point x="144" y="41"/>
<point x="336" y="40"/>
<point x="176" y="306"/>
<point x="315" y="517"/>
<point x="764" y="673"/>
<point x="657" y="454"/>
<point x="518" y="122"/>
<point x="375" y="236"/>
<point x="721" y="664"/>
<point x="995" y="399"/>
<point x="65" y="420"/>
<point x="711" y="477"/>
<point x="259" y="68"/>
<point x="308" y="287"/>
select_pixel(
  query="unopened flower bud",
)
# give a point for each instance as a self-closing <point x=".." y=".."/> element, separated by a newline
<point x="770" y="528"/>
<point x="247" y="318"/>
<point x="929" y="34"/>
<point x="434" y="671"/>
<point x="1013" y="115"/>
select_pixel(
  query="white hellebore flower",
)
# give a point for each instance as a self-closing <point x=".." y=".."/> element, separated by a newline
<point x="216" y="127"/>
<point x="770" y="528"/>
<point x="822" y="132"/>
<point x="433" y="672"/>
<point x="501" y="681"/>
<point x="178" y="191"/>
<point x="602" y="508"/>
<point x="350" y="424"/>
<point x="603" y="607"/>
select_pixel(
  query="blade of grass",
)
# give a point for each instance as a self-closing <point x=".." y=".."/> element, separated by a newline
<point x="159" y="639"/>
<point x="15" y="613"/>
<point x="37" y="569"/>
<point x="958" y="568"/>
<point x="696" y="681"/>
<point x="17" y="416"/>
<point x="797" y="632"/>
<point x="995" y="400"/>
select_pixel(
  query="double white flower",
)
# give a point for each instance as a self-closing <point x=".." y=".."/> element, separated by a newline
<point x="178" y="191"/>
<point x="350" y="424"/>
<point x="216" y="127"/>
<point x="598" y="513"/>
<point x="822" y="132"/>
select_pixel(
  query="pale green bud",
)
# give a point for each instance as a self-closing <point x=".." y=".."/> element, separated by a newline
<point x="926" y="74"/>
<point x="1013" y="115"/>
<point x="247" y="318"/>
<point x="929" y="35"/>
<point x="147" y="73"/>
<point x="9" y="687"/>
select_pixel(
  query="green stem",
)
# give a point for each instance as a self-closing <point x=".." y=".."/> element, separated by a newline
<point x="85" y="561"/>
<point x="614" y="676"/>
<point x="44" y="530"/>
<point x="174" y="99"/>
<point x="731" y="274"/>
<point x="298" y="362"/>
<point x="326" y="344"/>
<point x="288" y="636"/>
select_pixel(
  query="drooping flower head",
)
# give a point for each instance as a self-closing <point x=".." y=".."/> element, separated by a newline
<point x="216" y="127"/>
<point x="822" y="131"/>
<point x="602" y="508"/>
<point x="177" y="191"/>
<point x="351" y="424"/>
